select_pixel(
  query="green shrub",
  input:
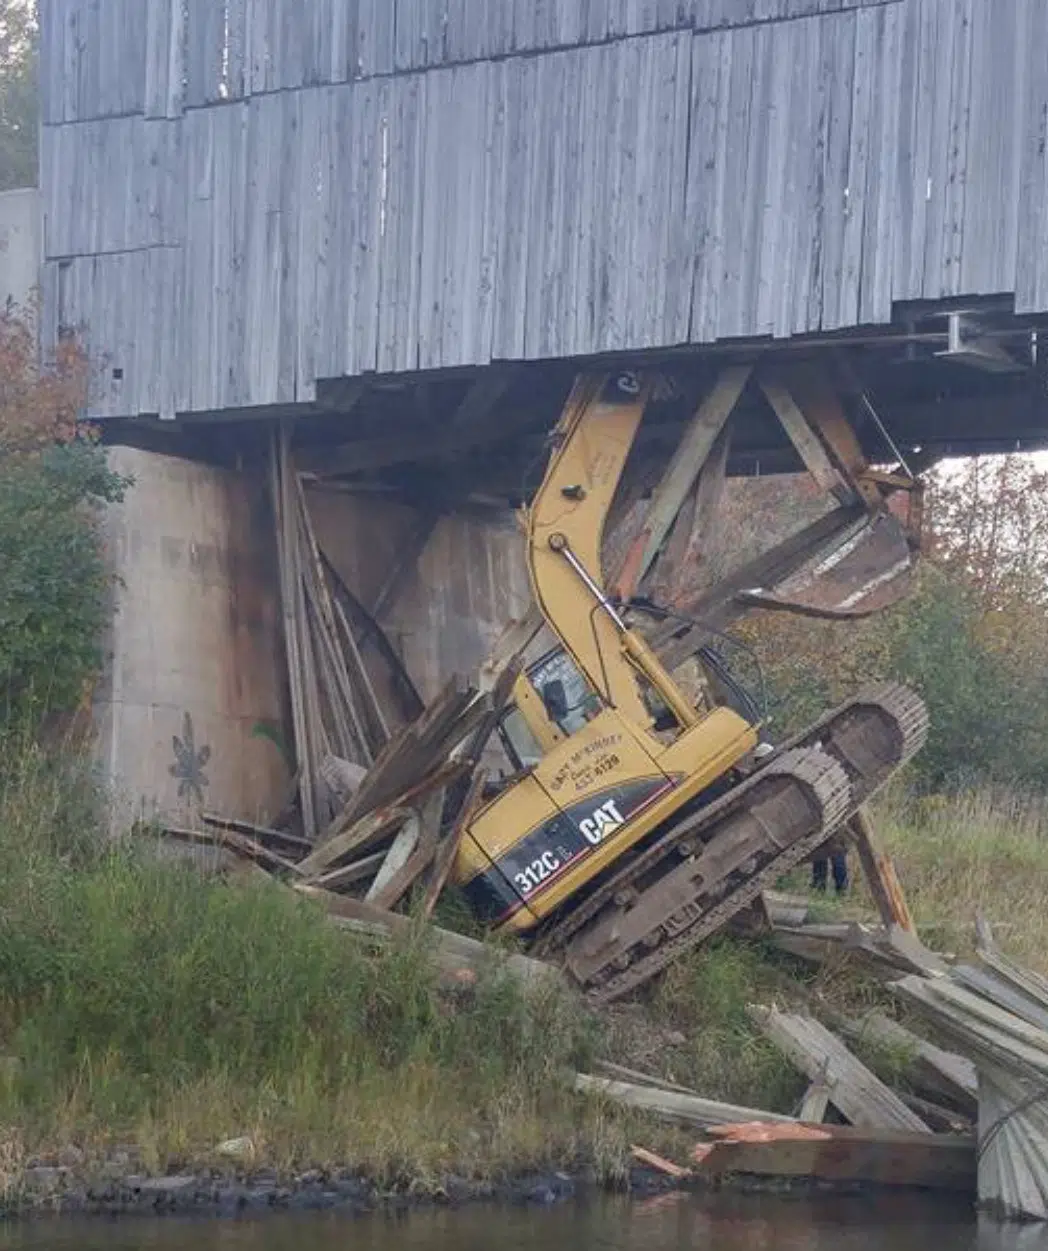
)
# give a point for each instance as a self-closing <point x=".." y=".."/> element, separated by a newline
<point x="53" y="584"/>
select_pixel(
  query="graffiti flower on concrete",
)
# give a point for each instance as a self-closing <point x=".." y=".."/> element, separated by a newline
<point x="189" y="763"/>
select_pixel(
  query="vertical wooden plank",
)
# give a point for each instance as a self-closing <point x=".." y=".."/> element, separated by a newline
<point x="708" y="179"/>
<point x="1031" y="292"/>
<point x="737" y="134"/>
<point x="520" y="91"/>
<point x="1000" y="66"/>
<point x="855" y="189"/>
<point x="402" y="223"/>
<point x="158" y="28"/>
<point x="941" y="35"/>
<point x="884" y="29"/>
<point x="956" y="188"/>
<point x="363" y="193"/>
<point x="840" y="35"/>
<point x="588" y="164"/>
<point x="775" y="209"/>
<point x="757" y="148"/>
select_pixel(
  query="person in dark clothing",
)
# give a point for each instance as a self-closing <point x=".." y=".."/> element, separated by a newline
<point x="835" y="858"/>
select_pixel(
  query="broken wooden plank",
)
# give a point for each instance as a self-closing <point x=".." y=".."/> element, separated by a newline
<point x="260" y="833"/>
<point x="857" y="1093"/>
<point x="403" y="846"/>
<point x="356" y="871"/>
<point x="239" y="844"/>
<point x="620" y="1072"/>
<point x="880" y="874"/>
<point x="844" y="1154"/>
<point x="680" y="476"/>
<point x="659" y="1163"/>
<point x="936" y="1069"/>
<point x="360" y="835"/>
<point x="511" y="643"/>
<point x="816" y="1102"/>
<point x="683" y="1109"/>
<point x="448" y="850"/>
<point x="389" y="892"/>
<point x="451" y="952"/>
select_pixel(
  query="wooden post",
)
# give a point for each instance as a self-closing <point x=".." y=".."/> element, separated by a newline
<point x="679" y="478"/>
<point x="448" y="850"/>
<point x="689" y="544"/>
<point x="880" y="875"/>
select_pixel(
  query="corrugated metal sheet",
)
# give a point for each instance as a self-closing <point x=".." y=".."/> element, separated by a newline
<point x="689" y="172"/>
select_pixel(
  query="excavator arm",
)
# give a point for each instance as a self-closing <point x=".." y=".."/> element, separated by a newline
<point x="565" y="529"/>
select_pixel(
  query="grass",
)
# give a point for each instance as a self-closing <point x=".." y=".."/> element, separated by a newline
<point x="143" y="1002"/>
<point x="980" y="852"/>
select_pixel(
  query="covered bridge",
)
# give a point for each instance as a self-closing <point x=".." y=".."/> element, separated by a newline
<point x="404" y="225"/>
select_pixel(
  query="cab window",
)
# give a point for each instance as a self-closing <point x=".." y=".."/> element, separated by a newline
<point x="564" y="691"/>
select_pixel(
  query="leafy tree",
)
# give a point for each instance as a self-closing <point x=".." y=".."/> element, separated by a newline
<point x="53" y="482"/>
<point x="18" y="94"/>
<point x="973" y="637"/>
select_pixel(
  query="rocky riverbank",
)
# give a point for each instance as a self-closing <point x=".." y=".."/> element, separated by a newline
<point x="117" y="1191"/>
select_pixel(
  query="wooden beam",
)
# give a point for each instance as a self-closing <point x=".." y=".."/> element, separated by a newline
<point x="368" y="455"/>
<point x="242" y="846"/>
<point x="690" y="543"/>
<point x="448" y="849"/>
<point x="400" y="852"/>
<point x="683" y="1109"/>
<point x="657" y="1162"/>
<point x="859" y="1095"/>
<point x="684" y="468"/>
<point x="806" y="441"/>
<point x="825" y="413"/>
<point x="451" y="952"/>
<point x="490" y="385"/>
<point x="360" y="835"/>
<point x="347" y="874"/>
<point x="927" y="1161"/>
<point x="389" y="893"/>
<point x="261" y="833"/>
<point x="816" y="1102"/>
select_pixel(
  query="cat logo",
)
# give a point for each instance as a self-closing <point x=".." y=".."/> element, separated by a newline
<point x="606" y="820"/>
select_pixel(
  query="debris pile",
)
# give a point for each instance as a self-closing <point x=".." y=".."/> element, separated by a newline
<point x="996" y="1014"/>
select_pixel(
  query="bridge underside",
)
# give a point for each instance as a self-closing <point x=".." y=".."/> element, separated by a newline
<point x="937" y="385"/>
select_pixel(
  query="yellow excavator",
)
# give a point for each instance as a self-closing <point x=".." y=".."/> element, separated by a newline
<point x="635" y="821"/>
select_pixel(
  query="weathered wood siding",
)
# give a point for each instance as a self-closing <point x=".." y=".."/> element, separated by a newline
<point x="270" y="192"/>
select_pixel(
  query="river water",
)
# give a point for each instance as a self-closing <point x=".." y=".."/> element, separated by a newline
<point x="666" y="1223"/>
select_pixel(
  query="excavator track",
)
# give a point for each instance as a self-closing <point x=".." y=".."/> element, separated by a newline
<point x="711" y="864"/>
